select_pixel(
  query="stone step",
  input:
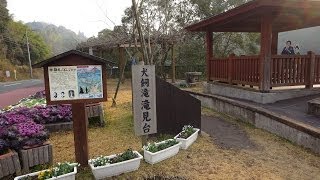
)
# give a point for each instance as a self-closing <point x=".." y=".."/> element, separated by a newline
<point x="314" y="107"/>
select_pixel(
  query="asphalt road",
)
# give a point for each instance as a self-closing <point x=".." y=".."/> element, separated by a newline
<point x="11" y="86"/>
<point x="12" y="92"/>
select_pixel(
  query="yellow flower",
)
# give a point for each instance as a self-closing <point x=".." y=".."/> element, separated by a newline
<point x="45" y="174"/>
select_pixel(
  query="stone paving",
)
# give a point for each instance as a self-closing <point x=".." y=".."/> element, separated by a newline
<point x="295" y="108"/>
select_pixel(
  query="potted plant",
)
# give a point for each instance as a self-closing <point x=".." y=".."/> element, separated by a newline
<point x="156" y="152"/>
<point x="61" y="171"/>
<point x="187" y="136"/>
<point x="107" y="166"/>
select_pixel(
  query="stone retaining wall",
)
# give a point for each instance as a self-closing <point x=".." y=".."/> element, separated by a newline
<point x="231" y="91"/>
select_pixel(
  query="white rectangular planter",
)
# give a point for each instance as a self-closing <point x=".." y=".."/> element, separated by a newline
<point x="185" y="143"/>
<point x="156" y="157"/>
<point x="115" y="169"/>
<point x="69" y="176"/>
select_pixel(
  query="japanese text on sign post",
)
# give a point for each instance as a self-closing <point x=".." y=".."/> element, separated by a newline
<point x="144" y="99"/>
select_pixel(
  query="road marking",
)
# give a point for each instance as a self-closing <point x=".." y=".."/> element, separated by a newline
<point x="11" y="84"/>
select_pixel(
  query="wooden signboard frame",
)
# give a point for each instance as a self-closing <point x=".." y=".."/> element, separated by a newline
<point x="80" y="126"/>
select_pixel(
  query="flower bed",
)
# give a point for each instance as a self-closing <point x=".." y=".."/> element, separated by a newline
<point x="36" y="155"/>
<point x="42" y="114"/>
<point x="9" y="160"/>
<point x="187" y="136"/>
<point x="62" y="126"/>
<point x="62" y="171"/>
<point x="35" y="108"/>
<point x="4" y="147"/>
<point x="107" y="166"/>
<point x="156" y="152"/>
<point x="38" y="99"/>
<point x="19" y="130"/>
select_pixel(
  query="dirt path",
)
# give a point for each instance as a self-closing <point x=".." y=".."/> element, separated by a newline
<point x="225" y="134"/>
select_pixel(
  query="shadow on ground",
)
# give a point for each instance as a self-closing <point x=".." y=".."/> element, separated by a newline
<point x="226" y="134"/>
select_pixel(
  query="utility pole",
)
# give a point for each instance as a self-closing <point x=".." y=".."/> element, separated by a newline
<point x="30" y="66"/>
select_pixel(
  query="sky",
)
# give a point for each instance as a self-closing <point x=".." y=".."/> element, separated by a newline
<point x="87" y="16"/>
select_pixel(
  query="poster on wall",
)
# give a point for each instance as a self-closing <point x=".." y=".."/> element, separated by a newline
<point x="144" y="99"/>
<point x="75" y="82"/>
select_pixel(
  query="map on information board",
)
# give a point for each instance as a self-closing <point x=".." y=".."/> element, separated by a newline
<point x="89" y="82"/>
<point x="75" y="82"/>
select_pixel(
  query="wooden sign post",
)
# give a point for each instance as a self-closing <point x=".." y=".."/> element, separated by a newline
<point x="76" y="78"/>
<point x="80" y="131"/>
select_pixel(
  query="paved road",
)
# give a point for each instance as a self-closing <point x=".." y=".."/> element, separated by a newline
<point x="10" y="86"/>
<point x="12" y="92"/>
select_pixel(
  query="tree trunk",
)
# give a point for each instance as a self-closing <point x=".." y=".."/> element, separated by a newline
<point x="141" y="36"/>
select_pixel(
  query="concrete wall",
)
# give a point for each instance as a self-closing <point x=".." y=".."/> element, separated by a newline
<point x="301" y="134"/>
<point x="256" y="96"/>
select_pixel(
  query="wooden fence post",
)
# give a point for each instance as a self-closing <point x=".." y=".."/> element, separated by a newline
<point x="310" y="70"/>
<point x="230" y="68"/>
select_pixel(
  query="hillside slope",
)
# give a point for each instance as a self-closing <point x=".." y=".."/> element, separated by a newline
<point x="59" y="39"/>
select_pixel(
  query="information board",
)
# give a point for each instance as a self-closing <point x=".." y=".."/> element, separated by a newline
<point x="75" y="82"/>
<point x="144" y="99"/>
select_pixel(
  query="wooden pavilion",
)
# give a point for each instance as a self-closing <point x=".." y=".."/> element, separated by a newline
<point x="267" y="70"/>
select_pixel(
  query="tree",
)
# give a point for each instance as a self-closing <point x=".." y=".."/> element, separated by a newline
<point x="225" y="43"/>
<point x="162" y="25"/>
<point x="4" y="15"/>
<point x="13" y="42"/>
<point x="16" y="44"/>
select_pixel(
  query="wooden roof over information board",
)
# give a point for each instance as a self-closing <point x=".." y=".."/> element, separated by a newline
<point x="71" y="52"/>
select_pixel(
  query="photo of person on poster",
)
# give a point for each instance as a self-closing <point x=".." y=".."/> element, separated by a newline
<point x="288" y="49"/>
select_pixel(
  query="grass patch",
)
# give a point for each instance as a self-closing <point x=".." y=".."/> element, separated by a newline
<point x="274" y="159"/>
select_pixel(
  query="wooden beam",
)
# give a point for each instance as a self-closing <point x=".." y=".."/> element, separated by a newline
<point x="231" y="29"/>
<point x="274" y="43"/>
<point x="209" y="52"/>
<point x="265" y="53"/>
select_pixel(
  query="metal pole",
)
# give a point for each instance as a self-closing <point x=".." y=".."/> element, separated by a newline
<point x="30" y="66"/>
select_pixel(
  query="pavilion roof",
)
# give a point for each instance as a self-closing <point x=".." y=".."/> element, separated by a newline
<point x="287" y="15"/>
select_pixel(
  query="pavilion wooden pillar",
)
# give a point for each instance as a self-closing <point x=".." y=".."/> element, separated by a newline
<point x="274" y="45"/>
<point x="209" y="51"/>
<point x="265" y="53"/>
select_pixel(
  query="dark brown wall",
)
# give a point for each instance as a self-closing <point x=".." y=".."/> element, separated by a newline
<point x="175" y="108"/>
